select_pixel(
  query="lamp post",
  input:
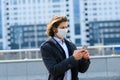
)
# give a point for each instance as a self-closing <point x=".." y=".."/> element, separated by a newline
<point x="102" y="40"/>
<point x="20" y="39"/>
<point x="36" y="37"/>
<point x="29" y="43"/>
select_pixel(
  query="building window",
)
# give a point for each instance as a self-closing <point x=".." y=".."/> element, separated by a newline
<point x="77" y="28"/>
<point x="86" y="19"/>
<point x="15" y="18"/>
<point x="67" y="5"/>
<point x="1" y="46"/>
<point x="56" y="11"/>
<point x="38" y="1"/>
<point x="67" y="15"/>
<point x="86" y="9"/>
<point x="7" y="8"/>
<point x="7" y="13"/>
<point x="94" y="4"/>
<point x="94" y="14"/>
<point x="86" y="14"/>
<point x="85" y="4"/>
<point x="94" y="9"/>
<point x="7" y="3"/>
<point x="55" y="0"/>
<point x="15" y="2"/>
<point x="87" y="24"/>
<point x="78" y="42"/>
<point x="7" y="18"/>
<point x="67" y="10"/>
<point x="56" y="6"/>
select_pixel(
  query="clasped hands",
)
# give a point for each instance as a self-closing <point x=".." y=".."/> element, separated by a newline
<point x="81" y="53"/>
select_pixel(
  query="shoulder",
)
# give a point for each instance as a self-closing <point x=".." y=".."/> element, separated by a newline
<point x="69" y="42"/>
<point x="48" y="42"/>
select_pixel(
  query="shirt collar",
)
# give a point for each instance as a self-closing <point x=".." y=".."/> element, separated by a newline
<point x="58" y="40"/>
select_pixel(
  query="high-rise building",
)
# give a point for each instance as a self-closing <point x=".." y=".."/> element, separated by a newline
<point x="76" y="35"/>
<point x="105" y="32"/>
<point x="24" y="21"/>
<point x="1" y="43"/>
<point x="100" y="21"/>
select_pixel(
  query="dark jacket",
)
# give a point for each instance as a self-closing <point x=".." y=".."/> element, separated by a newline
<point x="56" y="63"/>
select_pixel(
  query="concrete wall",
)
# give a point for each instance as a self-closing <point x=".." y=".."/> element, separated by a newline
<point x="100" y="67"/>
<point x="103" y="68"/>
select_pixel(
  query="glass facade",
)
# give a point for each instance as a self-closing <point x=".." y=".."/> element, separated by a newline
<point x="27" y="36"/>
<point x="21" y="15"/>
<point x="1" y="47"/>
<point x="55" y="1"/>
<point x="105" y="32"/>
<point x="78" y="42"/>
<point x="77" y="28"/>
<point x="76" y="10"/>
<point x="0" y="21"/>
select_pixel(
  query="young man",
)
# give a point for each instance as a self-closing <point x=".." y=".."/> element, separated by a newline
<point x="61" y="57"/>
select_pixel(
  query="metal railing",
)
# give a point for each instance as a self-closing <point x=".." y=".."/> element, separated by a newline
<point x="20" y="54"/>
<point x="23" y="54"/>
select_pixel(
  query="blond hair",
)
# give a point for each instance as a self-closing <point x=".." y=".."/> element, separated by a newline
<point x="53" y="24"/>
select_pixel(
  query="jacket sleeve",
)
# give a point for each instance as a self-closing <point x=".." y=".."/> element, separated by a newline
<point x="83" y="65"/>
<point x="52" y="65"/>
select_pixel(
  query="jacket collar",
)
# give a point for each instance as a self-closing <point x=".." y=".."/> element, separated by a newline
<point x="53" y="41"/>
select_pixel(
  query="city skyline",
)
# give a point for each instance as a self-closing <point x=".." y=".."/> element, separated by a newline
<point x="24" y="21"/>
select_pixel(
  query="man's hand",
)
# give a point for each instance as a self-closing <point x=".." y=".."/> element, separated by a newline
<point x="86" y="55"/>
<point x="79" y="54"/>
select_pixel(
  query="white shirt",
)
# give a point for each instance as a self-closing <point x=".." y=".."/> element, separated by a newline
<point x="64" y="46"/>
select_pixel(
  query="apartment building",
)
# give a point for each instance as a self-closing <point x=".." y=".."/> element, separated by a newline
<point x="24" y="21"/>
<point x="100" y="21"/>
<point x="1" y="43"/>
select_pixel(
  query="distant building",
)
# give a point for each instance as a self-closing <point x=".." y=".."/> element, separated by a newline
<point x="27" y="36"/>
<point x="1" y="43"/>
<point x="103" y="12"/>
<point x="24" y="21"/>
<point x="104" y="32"/>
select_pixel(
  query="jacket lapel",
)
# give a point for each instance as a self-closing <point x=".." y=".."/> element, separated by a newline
<point x="61" y="53"/>
<point x="70" y="49"/>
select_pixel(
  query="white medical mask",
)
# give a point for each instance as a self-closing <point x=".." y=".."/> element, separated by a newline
<point x="62" y="33"/>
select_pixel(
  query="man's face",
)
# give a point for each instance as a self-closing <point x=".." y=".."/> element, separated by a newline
<point x="62" y="30"/>
<point x="63" y="25"/>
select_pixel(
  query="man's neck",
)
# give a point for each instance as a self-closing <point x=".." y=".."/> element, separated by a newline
<point x="62" y="39"/>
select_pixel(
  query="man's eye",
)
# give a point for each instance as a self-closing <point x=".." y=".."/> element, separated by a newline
<point x="63" y="27"/>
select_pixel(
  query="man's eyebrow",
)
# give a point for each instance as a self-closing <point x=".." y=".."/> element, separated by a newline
<point x="64" y="26"/>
